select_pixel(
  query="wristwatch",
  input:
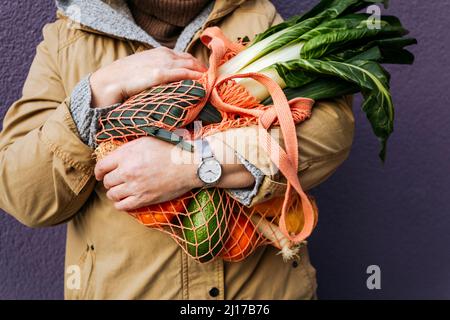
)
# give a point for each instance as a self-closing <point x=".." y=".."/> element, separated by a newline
<point x="209" y="170"/>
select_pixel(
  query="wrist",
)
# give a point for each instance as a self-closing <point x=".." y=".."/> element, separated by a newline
<point x="188" y="169"/>
<point x="234" y="173"/>
<point x="104" y="92"/>
<point x="195" y="179"/>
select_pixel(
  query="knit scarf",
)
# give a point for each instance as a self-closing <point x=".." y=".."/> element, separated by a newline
<point x="164" y="20"/>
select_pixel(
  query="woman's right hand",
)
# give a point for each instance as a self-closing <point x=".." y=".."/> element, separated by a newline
<point x="128" y="76"/>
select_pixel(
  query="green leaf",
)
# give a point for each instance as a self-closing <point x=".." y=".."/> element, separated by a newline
<point x="320" y="7"/>
<point x="292" y="29"/>
<point x="389" y="50"/>
<point x="319" y="89"/>
<point x="364" y="4"/>
<point x="324" y="10"/>
<point x="371" y="54"/>
<point x="371" y="79"/>
<point x="393" y="50"/>
<point x="336" y="38"/>
<point x="339" y="24"/>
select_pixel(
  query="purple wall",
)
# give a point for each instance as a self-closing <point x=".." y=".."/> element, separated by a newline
<point x="393" y="216"/>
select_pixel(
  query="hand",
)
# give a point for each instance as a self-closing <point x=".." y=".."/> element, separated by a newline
<point x="128" y="76"/>
<point x="146" y="171"/>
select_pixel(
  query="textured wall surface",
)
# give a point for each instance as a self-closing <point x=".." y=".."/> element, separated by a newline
<point x="396" y="216"/>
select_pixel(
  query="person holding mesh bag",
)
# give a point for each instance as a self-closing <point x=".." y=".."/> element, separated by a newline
<point x="81" y="71"/>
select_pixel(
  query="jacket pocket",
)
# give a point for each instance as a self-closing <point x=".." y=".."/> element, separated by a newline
<point x="305" y="274"/>
<point x="87" y="266"/>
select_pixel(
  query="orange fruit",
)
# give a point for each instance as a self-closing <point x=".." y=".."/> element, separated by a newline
<point x="241" y="240"/>
<point x="271" y="208"/>
<point x="161" y="213"/>
<point x="294" y="216"/>
<point x="156" y="219"/>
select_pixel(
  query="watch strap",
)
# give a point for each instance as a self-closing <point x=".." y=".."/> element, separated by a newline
<point x="204" y="149"/>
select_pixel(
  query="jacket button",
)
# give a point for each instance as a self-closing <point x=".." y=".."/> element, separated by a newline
<point x="214" y="292"/>
<point x="294" y="264"/>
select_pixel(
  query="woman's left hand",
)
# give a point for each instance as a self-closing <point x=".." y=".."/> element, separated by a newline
<point x="146" y="171"/>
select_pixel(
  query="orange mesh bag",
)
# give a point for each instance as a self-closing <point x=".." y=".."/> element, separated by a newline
<point x="154" y="112"/>
<point x="209" y="223"/>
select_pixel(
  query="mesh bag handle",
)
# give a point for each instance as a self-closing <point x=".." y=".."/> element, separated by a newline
<point x="286" y="161"/>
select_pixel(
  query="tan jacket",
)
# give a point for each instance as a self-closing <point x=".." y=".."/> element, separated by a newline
<point x="46" y="178"/>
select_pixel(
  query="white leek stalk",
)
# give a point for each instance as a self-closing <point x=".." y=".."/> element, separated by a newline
<point x="256" y="89"/>
<point x="246" y="57"/>
<point x="287" y="53"/>
<point x="250" y="54"/>
<point x="264" y="65"/>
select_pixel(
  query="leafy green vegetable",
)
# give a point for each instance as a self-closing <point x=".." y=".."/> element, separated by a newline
<point x="391" y="51"/>
<point x="328" y="52"/>
<point x="364" y="4"/>
<point x="327" y="42"/>
<point x="373" y="82"/>
<point x="319" y="89"/>
<point x="286" y="33"/>
<point x="323" y="11"/>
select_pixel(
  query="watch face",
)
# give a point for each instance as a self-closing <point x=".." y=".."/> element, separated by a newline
<point x="210" y="171"/>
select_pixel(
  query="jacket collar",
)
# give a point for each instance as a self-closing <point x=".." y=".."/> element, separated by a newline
<point x="113" y="18"/>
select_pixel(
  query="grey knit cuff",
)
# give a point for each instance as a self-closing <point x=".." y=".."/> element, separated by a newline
<point x="246" y="195"/>
<point x="86" y="118"/>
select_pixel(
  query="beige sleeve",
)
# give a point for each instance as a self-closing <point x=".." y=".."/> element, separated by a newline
<point x="324" y="142"/>
<point x="45" y="169"/>
<point x="278" y="19"/>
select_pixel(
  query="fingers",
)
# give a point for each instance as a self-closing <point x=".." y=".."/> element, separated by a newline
<point x="118" y="192"/>
<point x="182" y="59"/>
<point x="191" y="64"/>
<point x="186" y="55"/>
<point x="128" y="204"/>
<point x="104" y="166"/>
<point x="174" y="75"/>
<point x="170" y="66"/>
<point x="112" y="179"/>
<point x="197" y="64"/>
